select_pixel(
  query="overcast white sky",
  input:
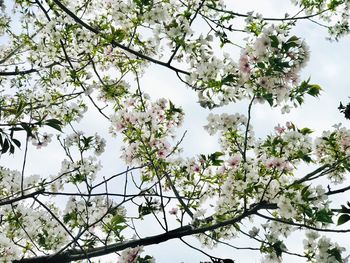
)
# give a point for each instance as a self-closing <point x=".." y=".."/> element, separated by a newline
<point x="329" y="66"/>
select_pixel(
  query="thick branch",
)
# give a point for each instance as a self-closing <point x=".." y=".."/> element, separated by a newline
<point x="188" y="230"/>
<point x="17" y="72"/>
<point x="19" y="198"/>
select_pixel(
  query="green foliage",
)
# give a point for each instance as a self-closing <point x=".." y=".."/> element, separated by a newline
<point x="149" y="207"/>
<point x="305" y="88"/>
<point x="343" y="219"/>
<point x="324" y="216"/>
<point x="116" y="225"/>
<point x="214" y="158"/>
<point x="146" y="259"/>
<point x="54" y="123"/>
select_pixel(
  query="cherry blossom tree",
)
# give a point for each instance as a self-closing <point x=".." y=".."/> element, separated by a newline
<point x="63" y="61"/>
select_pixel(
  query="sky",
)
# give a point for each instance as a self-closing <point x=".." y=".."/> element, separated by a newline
<point x="328" y="66"/>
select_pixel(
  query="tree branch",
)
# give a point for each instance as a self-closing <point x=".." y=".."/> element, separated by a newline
<point x="187" y="230"/>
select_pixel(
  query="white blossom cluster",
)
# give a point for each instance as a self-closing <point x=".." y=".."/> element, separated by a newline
<point x="333" y="147"/>
<point x="96" y="142"/>
<point x="270" y="65"/>
<point x="225" y="122"/>
<point x="81" y="170"/>
<point x="147" y="127"/>
<point x="288" y="146"/>
<point x="10" y="183"/>
<point x="338" y="19"/>
<point x="268" y="68"/>
<point x="23" y="222"/>
<point x="78" y="213"/>
<point x="322" y="249"/>
<point x="7" y="250"/>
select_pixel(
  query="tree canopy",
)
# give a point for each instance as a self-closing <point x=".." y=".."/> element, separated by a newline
<point x="72" y="80"/>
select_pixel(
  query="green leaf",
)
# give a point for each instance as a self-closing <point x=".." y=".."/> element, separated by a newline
<point x="228" y="79"/>
<point x="146" y="259"/>
<point x="214" y="158"/>
<point x="268" y="97"/>
<point x="117" y="219"/>
<point x="216" y="154"/>
<point x="305" y="131"/>
<point x="305" y="193"/>
<point x="87" y="141"/>
<point x="27" y="128"/>
<point x="300" y="100"/>
<point x="20" y="108"/>
<point x="5" y="146"/>
<point x="333" y="4"/>
<point x="172" y="108"/>
<point x="54" y="123"/>
<point x="187" y="14"/>
<point x="148" y="208"/>
<point x="274" y="41"/>
<point x="308" y="211"/>
<point x="336" y="254"/>
<point x="71" y="219"/>
<point x="142" y="3"/>
<point x="12" y="149"/>
<point x="261" y="65"/>
<point x="292" y="39"/>
<point x="343" y="219"/>
<point x="290" y="43"/>
<point x="279" y="247"/>
<point x="119" y="35"/>
<point x="344" y="209"/>
<point x="17" y="142"/>
<point x="314" y="90"/>
<point x="324" y="216"/>
<point x="305" y="157"/>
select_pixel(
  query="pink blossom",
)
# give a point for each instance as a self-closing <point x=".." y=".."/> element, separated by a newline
<point x="119" y="126"/>
<point x="289" y="125"/>
<point x="270" y="164"/>
<point x="234" y="161"/>
<point x="109" y="50"/>
<point x="196" y="168"/>
<point x="293" y="77"/>
<point x="244" y="66"/>
<point x="130" y="255"/>
<point x="162" y="154"/>
<point x="173" y="211"/>
<point x="279" y="164"/>
<point x="280" y="129"/>
<point x="131" y="102"/>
